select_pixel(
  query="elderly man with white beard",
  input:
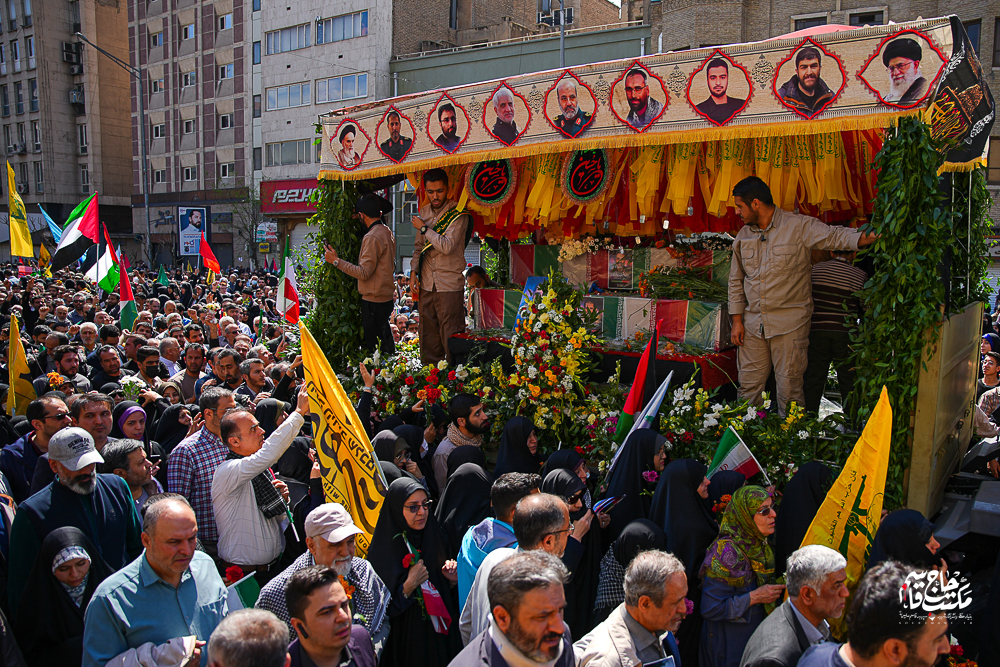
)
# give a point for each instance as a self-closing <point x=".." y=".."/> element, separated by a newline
<point x="505" y="129"/>
<point x="573" y="120"/>
<point x="907" y="85"/>
<point x="330" y="535"/>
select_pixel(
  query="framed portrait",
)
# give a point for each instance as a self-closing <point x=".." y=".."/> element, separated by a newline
<point x="506" y="115"/>
<point x="720" y="89"/>
<point x="904" y="69"/>
<point x="448" y="124"/>
<point x="349" y="143"/>
<point x="809" y="79"/>
<point x="394" y="135"/>
<point x="192" y="223"/>
<point x="570" y="105"/>
<point x="638" y="97"/>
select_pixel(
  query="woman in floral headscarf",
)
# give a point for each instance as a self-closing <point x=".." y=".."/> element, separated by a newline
<point x="738" y="588"/>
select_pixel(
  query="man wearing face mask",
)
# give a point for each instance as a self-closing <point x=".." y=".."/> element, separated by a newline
<point x="99" y="505"/>
<point x="330" y="534"/>
<point x="373" y="272"/>
<point x="770" y="289"/>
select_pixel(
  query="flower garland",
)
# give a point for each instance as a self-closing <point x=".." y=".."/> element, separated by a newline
<point x="570" y="248"/>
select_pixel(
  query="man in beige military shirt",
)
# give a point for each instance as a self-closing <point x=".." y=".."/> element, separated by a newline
<point x="437" y="266"/>
<point x="770" y="289"/>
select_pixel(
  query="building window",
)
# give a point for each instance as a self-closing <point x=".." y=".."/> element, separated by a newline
<point x="29" y="47"/>
<point x="27" y="13"/>
<point x="4" y="101"/>
<point x="256" y="5"/>
<point x="256" y="53"/>
<point x="18" y="97"/>
<point x="159" y="176"/>
<point x="159" y="131"/>
<point x="190" y="173"/>
<point x="802" y="24"/>
<point x="156" y="86"/>
<point x="15" y="55"/>
<point x="257" y="166"/>
<point x="867" y="18"/>
<point x="227" y="170"/>
<point x="288" y="152"/>
<point x="39" y="178"/>
<point x="342" y="27"/>
<point x="187" y="31"/>
<point x="22" y="173"/>
<point x="973" y="29"/>
<point x="8" y="136"/>
<point x="81" y="137"/>
<point x="996" y="44"/>
<point x="3" y="58"/>
<point x="256" y="106"/>
<point x="341" y="88"/>
<point x="993" y="166"/>
<point x="189" y="127"/>
<point x="84" y="179"/>
<point x="22" y="136"/>
<point x="288" y="39"/>
<point x="296" y="95"/>
<point x="12" y="14"/>
<point x="155" y="39"/>
<point x="226" y="22"/>
<point x="36" y="135"/>
<point x="33" y="94"/>
<point x="189" y="79"/>
<point x="226" y="121"/>
<point x="225" y="71"/>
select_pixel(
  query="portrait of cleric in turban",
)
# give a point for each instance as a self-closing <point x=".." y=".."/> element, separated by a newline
<point x="903" y="71"/>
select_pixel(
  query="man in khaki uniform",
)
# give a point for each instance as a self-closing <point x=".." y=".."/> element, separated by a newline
<point x="374" y="272"/>
<point x="437" y="266"/>
<point x="770" y="289"/>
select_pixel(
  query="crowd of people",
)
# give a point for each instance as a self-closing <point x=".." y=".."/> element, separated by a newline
<point x="125" y="520"/>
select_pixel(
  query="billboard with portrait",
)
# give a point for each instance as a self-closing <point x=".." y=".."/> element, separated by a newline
<point x="192" y="222"/>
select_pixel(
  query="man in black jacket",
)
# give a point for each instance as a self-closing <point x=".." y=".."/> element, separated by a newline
<point x="815" y="580"/>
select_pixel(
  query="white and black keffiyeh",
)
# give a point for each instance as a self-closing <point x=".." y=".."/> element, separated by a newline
<point x="611" y="587"/>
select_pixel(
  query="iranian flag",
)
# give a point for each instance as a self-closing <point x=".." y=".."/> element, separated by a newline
<point x="128" y="310"/>
<point x="733" y="454"/>
<point x="79" y="235"/>
<point x="642" y="391"/>
<point x="287" y="301"/>
<point x="104" y="271"/>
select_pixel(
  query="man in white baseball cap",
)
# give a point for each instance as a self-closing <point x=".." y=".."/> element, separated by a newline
<point x="330" y="537"/>
<point x="99" y="505"/>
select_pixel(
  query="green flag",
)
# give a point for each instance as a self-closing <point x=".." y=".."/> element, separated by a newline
<point x="162" y="278"/>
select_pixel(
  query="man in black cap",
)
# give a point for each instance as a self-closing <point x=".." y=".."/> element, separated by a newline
<point x="907" y="85"/>
<point x="374" y="272"/>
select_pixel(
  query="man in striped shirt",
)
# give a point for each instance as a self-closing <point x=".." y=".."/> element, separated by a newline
<point x="836" y="309"/>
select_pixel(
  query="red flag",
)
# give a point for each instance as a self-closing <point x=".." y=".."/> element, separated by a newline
<point x="124" y="261"/>
<point x="207" y="256"/>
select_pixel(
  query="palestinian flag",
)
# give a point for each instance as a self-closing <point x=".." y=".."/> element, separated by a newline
<point x="643" y="388"/>
<point x="733" y="454"/>
<point x="207" y="256"/>
<point x="104" y="271"/>
<point x="287" y="301"/>
<point x="129" y="313"/>
<point x="80" y="234"/>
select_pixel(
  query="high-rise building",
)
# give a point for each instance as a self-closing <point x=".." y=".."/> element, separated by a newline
<point x="64" y="110"/>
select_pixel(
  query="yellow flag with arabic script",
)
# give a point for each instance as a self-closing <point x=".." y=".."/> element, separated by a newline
<point x="44" y="260"/>
<point x="21" y="391"/>
<point x="852" y="510"/>
<point x="350" y="469"/>
<point x="20" y="235"/>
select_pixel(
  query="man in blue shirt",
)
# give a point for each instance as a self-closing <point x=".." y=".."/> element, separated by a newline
<point x="170" y="591"/>
<point x="490" y="534"/>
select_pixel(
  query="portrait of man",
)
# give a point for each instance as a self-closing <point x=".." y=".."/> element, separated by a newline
<point x="347" y="156"/>
<point x="448" y="140"/>
<point x="719" y="106"/>
<point x="194" y="218"/>
<point x="396" y="146"/>
<point x="806" y="92"/>
<point x="505" y="127"/>
<point x="901" y="58"/>
<point x="642" y="108"/>
<point x="573" y="120"/>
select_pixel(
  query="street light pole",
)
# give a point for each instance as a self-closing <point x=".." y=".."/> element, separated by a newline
<point x="562" y="34"/>
<point x="134" y="71"/>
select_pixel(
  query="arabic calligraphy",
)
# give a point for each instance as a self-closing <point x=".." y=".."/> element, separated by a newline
<point x="931" y="592"/>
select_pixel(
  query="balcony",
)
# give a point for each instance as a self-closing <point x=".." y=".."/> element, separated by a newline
<point x="77" y="101"/>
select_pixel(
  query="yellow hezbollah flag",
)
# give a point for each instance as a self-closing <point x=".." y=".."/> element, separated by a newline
<point x="44" y="260"/>
<point x="20" y="236"/>
<point x="211" y="278"/>
<point x="21" y="390"/>
<point x="351" y="473"/>
<point x="849" y="516"/>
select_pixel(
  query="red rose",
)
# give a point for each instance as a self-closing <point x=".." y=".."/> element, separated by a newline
<point x="233" y="574"/>
<point x="451" y="375"/>
<point x="408" y="560"/>
<point x="410" y="381"/>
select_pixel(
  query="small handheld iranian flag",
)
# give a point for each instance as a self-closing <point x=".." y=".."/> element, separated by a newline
<point x="733" y="454"/>
<point x="287" y="301"/>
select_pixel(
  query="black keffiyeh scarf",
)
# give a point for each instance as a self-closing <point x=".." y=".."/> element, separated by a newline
<point x="269" y="501"/>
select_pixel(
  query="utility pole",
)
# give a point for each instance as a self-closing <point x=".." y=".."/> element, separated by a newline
<point x="562" y="34"/>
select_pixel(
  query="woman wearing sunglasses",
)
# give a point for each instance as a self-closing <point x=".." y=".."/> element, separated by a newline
<point x="738" y="588"/>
